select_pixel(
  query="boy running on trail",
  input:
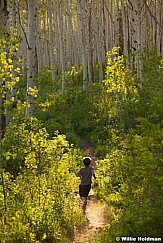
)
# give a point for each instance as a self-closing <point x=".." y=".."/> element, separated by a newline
<point x="85" y="174"/>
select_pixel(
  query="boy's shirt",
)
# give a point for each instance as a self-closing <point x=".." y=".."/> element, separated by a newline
<point x="86" y="174"/>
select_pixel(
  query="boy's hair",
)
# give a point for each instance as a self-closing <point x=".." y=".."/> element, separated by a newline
<point x="87" y="161"/>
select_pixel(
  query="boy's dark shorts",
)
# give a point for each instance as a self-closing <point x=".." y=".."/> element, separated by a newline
<point x="84" y="190"/>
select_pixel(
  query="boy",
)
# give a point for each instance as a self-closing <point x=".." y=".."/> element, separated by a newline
<point x="85" y="174"/>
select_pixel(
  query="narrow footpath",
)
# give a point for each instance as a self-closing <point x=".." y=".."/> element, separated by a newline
<point x="96" y="212"/>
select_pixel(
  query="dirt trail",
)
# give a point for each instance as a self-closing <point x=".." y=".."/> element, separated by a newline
<point x="88" y="149"/>
<point x="96" y="212"/>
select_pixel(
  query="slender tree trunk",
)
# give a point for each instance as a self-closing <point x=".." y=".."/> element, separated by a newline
<point x="30" y="57"/>
<point x="12" y="93"/>
<point x="98" y="42"/>
<point x="136" y="40"/>
<point x="59" y="20"/>
<point x="70" y="40"/>
<point x="116" y="24"/>
<point x="90" y="41"/>
<point x="159" y="27"/>
<point x="125" y="30"/>
<point x="82" y="32"/>
<point x="39" y="46"/>
<point x="3" y="21"/>
<point x="14" y="25"/>
<point x="51" y="40"/>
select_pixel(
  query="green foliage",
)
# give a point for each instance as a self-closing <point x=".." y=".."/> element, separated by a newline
<point x="151" y="99"/>
<point x="130" y="181"/>
<point x="122" y="121"/>
<point x="69" y="114"/>
<point x="130" y="177"/>
<point x="17" y="143"/>
<point x="114" y="106"/>
<point x="41" y="204"/>
<point x="8" y="66"/>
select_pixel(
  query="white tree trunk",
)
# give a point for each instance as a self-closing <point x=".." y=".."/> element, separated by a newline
<point x="89" y="38"/>
<point x="51" y="40"/>
<point x="125" y="29"/>
<point x="59" y="21"/>
<point x="30" y="57"/>
<point x="98" y="42"/>
<point x="82" y="34"/>
<point x="12" y="93"/>
<point x="137" y="37"/>
<point x="39" y="48"/>
<point x="85" y="30"/>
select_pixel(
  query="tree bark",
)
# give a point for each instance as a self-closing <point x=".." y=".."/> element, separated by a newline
<point x="83" y="47"/>
<point x="12" y="93"/>
<point x="3" y="22"/>
<point x="51" y="40"/>
<point x="61" y="45"/>
<point x="30" y="58"/>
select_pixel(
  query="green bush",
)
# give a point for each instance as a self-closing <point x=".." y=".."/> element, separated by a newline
<point x="41" y="204"/>
<point x="130" y="182"/>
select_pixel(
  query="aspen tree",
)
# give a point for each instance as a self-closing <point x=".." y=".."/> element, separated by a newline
<point x="30" y="57"/>
<point x="73" y="46"/>
<point x="22" y="26"/>
<point x="112" y="40"/>
<point x="75" y="41"/>
<point x="137" y="39"/>
<point x="102" y="31"/>
<point x="61" y="44"/>
<point x="3" y="22"/>
<point x="57" y="43"/>
<point x="83" y="44"/>
<point x="42" y="37"/>
<point x="51" y="40"/>
<point x="45" y="42"/>
<point x="68" y="35"/>
<point x="12" y="93"/>
<point x="89" y="39"/>
<point x="116" y="23"/>
<point x="65" y="35"/>
<point x="159" y="24"/>
<point x="79" y="40"/>
<point x="98" y="41"/>
<point x="45" y="50"/>
<point x="39" y="44"/>
<point x="110" y="23"/>
<point x="131" y="32"/>
<point x="143" y="26"/>
<point x="82" y="31"/>
<point x="14" y="14"/>
<point x="107" y="27"/>
<point x="125" y="28"/>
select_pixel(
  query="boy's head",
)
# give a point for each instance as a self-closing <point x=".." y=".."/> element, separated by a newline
<point x="87" y="161"/>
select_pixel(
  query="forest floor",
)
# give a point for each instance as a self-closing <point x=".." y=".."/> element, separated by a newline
<point x="96" y="212"/>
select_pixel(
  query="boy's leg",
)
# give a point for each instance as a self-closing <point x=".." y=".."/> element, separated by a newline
<point x="83" y="192"/>
<point x="84" y="200"/>
<point x="84" y="203"/>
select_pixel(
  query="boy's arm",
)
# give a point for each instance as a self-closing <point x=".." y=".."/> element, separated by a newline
<point x="78" y="173"/>
<point x="93" y="172"/>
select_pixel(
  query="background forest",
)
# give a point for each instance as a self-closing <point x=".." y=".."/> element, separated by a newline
<point x="80" y="68"/>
